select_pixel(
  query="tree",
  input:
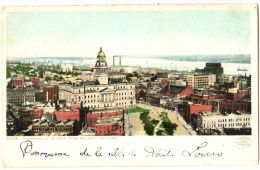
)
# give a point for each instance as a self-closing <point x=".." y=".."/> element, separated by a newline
<point x="149" y="129"/>
<point x="41" y="73"/>
<point x="9" y="85"/>
<point x="47" y="78"/>
<point x="153" y="78"/>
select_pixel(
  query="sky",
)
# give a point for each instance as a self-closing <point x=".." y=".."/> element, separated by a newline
<point x="139" y="33"/>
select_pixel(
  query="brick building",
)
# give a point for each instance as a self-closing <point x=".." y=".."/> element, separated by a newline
<point x="188" y="110"/>
<point x="231" y="106"/>
<point x="71" y="113"/>
<point x="180" y="91"/>
<point x="17" y="81"/>
<point x="235" y="94"/>
<point x="19" y="96"/>
<point x="51" y="94"/>
<point x="109" y="126"/>
<point x="13" y="120"/>
<point x="28" y="115"/>
<point x="47" y="126"/>
<point x="162" y="75"/>
<point x="154" y="100"/>
<point x="92" y="117"/>
<point x="208" y="99"/>
<point x="35" y="80"/>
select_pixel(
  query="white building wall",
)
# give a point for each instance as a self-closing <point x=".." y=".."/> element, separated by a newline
<point x="220" y="121"/>
<point x="118" y="95"/>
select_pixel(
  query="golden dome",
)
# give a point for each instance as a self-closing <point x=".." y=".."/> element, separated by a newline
<point x="101" y="54"/>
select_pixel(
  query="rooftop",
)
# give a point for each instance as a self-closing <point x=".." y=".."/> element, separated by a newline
<point x="101" y="54"/>
<point x="110" y="120"/>
<point x="212" y="114"/>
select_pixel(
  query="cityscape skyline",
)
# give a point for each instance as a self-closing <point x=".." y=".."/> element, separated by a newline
<point x="145" y="33"/>
<point x="47" y="99"/>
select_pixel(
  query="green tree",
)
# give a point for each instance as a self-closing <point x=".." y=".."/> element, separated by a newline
<point x="149" y="128"/>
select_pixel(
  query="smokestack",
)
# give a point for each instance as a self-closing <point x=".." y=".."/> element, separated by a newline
<point x="113" y="60"/>
<point x="47" y="96"/>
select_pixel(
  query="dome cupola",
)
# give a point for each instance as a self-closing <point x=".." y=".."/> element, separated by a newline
<point x="101" y="54"/>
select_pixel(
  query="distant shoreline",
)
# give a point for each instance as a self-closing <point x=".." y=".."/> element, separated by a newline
<point x="240" y="58"/>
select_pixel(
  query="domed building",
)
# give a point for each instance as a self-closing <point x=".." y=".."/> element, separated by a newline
<point x="102" y="95"/>
<point x="100" y="69"/>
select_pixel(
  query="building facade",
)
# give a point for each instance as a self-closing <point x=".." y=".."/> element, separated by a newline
<point x="87" y="76"/>
<point x="51" y="94"/>
<point x="213" y="68"/>
<point x="17" y="81"/>
<point x="99" y="96"/>
<point x="189" y="110"/>
<point x="21" y="95"/>
<point x="109" y="126"/>
<point x="201" y="80"/>
<point x="66" y="67"/>
<point x="209" y="122"/>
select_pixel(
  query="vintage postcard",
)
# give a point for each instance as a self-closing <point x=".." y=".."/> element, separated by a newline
<point x="130" y="85"/>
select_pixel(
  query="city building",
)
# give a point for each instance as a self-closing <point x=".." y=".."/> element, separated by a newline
<point x="28" y="115"/>
<point x="178" y="90"/>
<point x="100" y="69"/>
<point x="226" y="78"/>
<point x="87" y="76"/>
<point x="13" y="120"/>
<point x="102" y="95"/>
<point x="162" y="74"/>
<point x="99" y="96"/>
<point x="201" y="80"/>
<point x="213" y="68"/>
<point x="231" y="106"/>
<point x="51" y="94"/>
<point x="66" y="68"/>
<point x="92" y="116"/>
<point x="47" y="126"/>
<point x="123" y="69"/>
<point x="71" y="113"/>
<point x="17" y="81"/>
<point x="209" y="99"/>
<point x="189" y="110"/>
<point x="117" y="76"/>
<point x="35" y="80"/>
<point x="210" y="123"/>
<point x="235" y="94"/>
<point x="109" y="126"/>
<point x="22" y="95"/>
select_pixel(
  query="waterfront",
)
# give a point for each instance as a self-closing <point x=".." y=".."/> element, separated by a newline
<point x="147" y="62"/>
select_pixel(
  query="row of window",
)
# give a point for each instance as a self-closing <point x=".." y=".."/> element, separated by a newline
<point x="232" y="120"/>
<point x="93" y="89"/>
<point x="106" y="131"/>
<point x="226" y="125"/>
<point x="107" y="104"/>
<point x="43" y="129"/>
<point x="82" y="98"/>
